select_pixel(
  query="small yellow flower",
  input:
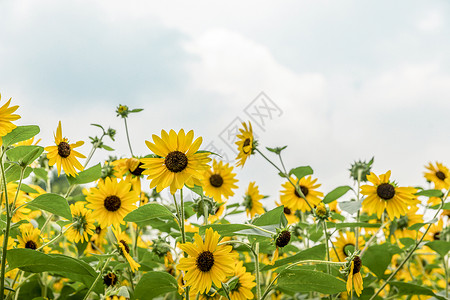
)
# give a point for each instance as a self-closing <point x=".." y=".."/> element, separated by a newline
<point x="354" y="279"/>
<point x="219" y="181"/>
<point x="291" y="199"/>
<point x="251" y="200"/>
<point x="246" y="144"/>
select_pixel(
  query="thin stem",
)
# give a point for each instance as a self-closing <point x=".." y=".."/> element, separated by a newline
<point x="357" y="215"/>
<point x="326" y="245"/>
<point x="8" y="225"/>
<point x="262" y="229"/>
<point x="128" y="136"/>
<point x="22" y="171"/>
<point x="227" y="291"/>
<point x="410" y="253"/>
<point x="257" y="275"/>
<point x="97" y="279"/>
<point x="56" y="238"/>
<point x="372" y="238"/>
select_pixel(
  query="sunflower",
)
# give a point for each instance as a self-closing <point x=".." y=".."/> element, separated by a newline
<point x="219" y="181"/>
<point x="97" y="241"/>
<point x="83" y="223"/>
<point x="384" y="194"/>
<point x="31" y="237"/>
<point x="63" y="154"/>
<point x="6" y="118"/>
<point x="178" y="163"/>
<point x="218" y="212"/>
<point x="289" y="214"/>
<point x="438" y="175"/>
<point x="23" y="212"/>
<point x="434" y="233"/>
<point x="354" y="277"/>
<point x="290" y="197"/>
<point x="115" y="297"/>
<point x="246" y="144"/>
<point x="207" y="262"/>
<point x="345" y="243"/>
<point x="251" y="200"/>
<point x="246" y="281"/>
<point x="124" y="250"/>
<point x="111" y="201"/>
<point x="131" y="168"/>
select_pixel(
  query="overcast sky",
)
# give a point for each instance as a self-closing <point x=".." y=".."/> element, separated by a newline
<point x="349" y="79"/>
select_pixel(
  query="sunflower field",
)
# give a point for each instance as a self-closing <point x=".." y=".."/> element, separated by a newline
<point x="72" y="228"/>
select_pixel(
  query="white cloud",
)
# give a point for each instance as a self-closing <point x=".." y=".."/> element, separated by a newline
<point x="431" y="22"/>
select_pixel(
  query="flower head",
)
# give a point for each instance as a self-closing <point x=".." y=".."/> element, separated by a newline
<point x="31" y="237"/>
<point x="246" y="144"/>
<point x="292" y="199"/>
<point x="63" y="154"/>
<point x="219" y="181"/>
<point x="354" y="279"/>
<point x="83" y="223"/>
<point x="251" y="200"/>
<point x="178" y="161"/>
<point x="6" y="117"/>
<point x="207" y="262"/>
<point x="439" y="175"/>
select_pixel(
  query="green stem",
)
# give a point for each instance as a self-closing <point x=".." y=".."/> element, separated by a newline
<point x="227" y="290"/>
<point x="22" y="171"/>
<point x="56" y="238"/>
<point x="128" y="136"/>
<point x="262" y="229"/>
<point x="257" y="275"/>
<point x="357" y="214"/>
<point x="410" y="253"/>
<point x="373" y="237"/>
<point x="326" y="245"/>
<point x="8" y="225"/>
<point x="97" y="279"/>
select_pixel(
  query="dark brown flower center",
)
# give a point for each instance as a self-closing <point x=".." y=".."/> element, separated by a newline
<point x="287" y="211"/>
<point x="437" y="236"/>
<point x="64" y="149"/>
<point x="385" y="191"/>
<point x="205" y="261"/>
<point x="125" y="245"/>
<point x="110" y="279"/>
<point x="112" y="203"/>
<point x="176" y="161"/>
<point x="31" y="245"/>
<point x="216" y="180"/>
<point x="440" y="175"/>
<point x="138" y="171"/>
<point x="98" y="229"/>
<point x="283" y="239"/>
<point x="357" y="264"/>
<point x="348" y="248"/>
<point x="246" y="143"/>
<point x="304" y="190"/>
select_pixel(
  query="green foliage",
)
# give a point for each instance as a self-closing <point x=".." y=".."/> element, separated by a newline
<point x="336" y="193"/>
<point x="147" y="212"/>
<point x="405" y="288"/>
<point x="19" y="134"/>
<point x="154" y="284"/>
<point x="24" y="155"/>
<point x="86" y="176"/>
<point x="378" y="257"/>
<point x="52" y="203"/>
<point x="441" y="247"/>
<point x="301" y="172"/>
<point x="301" y="280"/>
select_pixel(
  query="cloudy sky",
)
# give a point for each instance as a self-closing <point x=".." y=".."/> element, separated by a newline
<point x="350" y="79"/>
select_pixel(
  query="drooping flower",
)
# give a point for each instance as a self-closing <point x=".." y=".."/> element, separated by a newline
<point x="111" y="201"/>
<point x="384" y="194"/>
<point x="345" y="244"/>
<point x="219" y="181"/>
<point x="63" y="154"/>
<point x="124" y="250"/>
<point x="83" y="223"/>
<point x="354" y="279"/>
<point x="179" y="161"/>
<point x="246" y="144"/>
<point x="207" y="262"/>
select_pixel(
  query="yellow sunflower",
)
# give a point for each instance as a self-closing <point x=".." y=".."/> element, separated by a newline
<point x="289" y="214"/>
<point x="115" y="297"/>
<point x="246" y="144"/>
<point x="345" y="243"/>
<point x="31" y="237"/>
<point x="178" y="163"/>
<point x="386" y="195"/>
<point x="131" y="168"/>
<point x="354" y="279"/>
<point x="251" y="200"/>
<point x="292" y="200"/>
<point x="207" y="262"/>
<point x="218" y="182"/>
<point x="111" y="201"/>
<point x="124" y="250"/>
<point x="97" y="241"/>
<point x="246" y="281"/>
<point x="83" y="223"/>
<point x="434" y="233"/>
<point x="6" y="118"/>
<point x="219" y="211"/>
<point x="63" y="154"/>
<point x="23" y="212"/>
<point x="438" y="175"/>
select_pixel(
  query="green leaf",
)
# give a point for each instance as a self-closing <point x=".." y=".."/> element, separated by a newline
<point x="351" y="206"/>
<point x="408" y="242"/>
<point x="147" y="212"/>
<point x="417" y="226"/>
<point x="303" y="280"/>
<point x="337" y="216"/>
<point x="24" y="155"/>
<point x="237" y="229"/>
<point x="405" y="288"/>
<point x="29" y="260"/>
<point x="276" y="150"/>
<point x="27" y="189"/>
<point x="430" y="193"/>
<point x="154" y="284"/>
<point x="108" y="148"/>
<point x="98" y="125"/>
<point x="336" y="193"/>
<point x="136" y="110"/>
<point x="13" y="172"/>
<point x="52" y="203"/>
<point x="316" y="252"/>
<point x="441" y="247"/>
<point x="196" y="189"/>
<point x="301" y="172"/>
<point x="272" y="217"/>
<point x="41" y="173"/>
<point x="86" y="176"/>
<point x="19" y="134"/>
<point x="378" y="257"/>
